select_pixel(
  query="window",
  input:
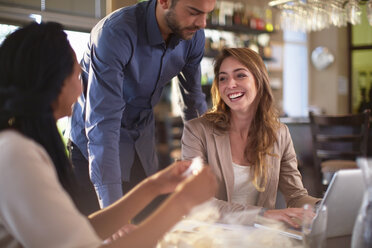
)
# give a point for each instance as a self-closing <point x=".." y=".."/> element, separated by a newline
<point x="5" y="30"/>
<point x="295" y="74"/>
<point x="361" y="65"/>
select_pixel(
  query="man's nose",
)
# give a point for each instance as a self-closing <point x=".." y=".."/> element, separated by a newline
<point x="201" y="21"/>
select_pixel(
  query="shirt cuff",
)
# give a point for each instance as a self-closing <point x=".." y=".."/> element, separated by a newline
<point x="108" y="194"/>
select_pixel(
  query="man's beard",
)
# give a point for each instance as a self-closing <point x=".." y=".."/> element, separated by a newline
<point x="174" y="26"/>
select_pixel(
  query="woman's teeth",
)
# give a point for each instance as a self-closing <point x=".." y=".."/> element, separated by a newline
<point x="235" y="95"/>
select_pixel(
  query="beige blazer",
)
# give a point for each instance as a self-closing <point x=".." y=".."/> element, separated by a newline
<point x="200" y="138"/>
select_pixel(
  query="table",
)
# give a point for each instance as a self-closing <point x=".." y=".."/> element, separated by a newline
<point x="197" y="234"/>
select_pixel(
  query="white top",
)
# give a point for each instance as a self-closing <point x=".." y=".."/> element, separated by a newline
<point x="244" y="191"/>
<point x="35" y="210"/>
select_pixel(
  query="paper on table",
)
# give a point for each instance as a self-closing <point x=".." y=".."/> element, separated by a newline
<point x="287" y="232"/>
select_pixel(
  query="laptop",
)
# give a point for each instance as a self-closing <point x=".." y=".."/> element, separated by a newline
<point x="343" y="199"/>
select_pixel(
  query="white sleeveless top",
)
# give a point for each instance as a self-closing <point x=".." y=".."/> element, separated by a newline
<point x="244" y="191"/>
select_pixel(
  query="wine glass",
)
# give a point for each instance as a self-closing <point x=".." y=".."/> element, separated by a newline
<point x="353" y="12"/>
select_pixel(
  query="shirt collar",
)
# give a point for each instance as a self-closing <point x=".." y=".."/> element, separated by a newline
<point x="153" y="32"/>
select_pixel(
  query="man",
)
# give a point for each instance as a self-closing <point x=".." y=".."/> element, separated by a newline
<point x="131" y="55"/>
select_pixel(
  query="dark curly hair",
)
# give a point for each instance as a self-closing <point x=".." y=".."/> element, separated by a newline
<point x="34" y="62"/>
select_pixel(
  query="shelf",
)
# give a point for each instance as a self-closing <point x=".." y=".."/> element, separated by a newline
<point x="212" y="53"/>
<point x="237" y="29"/>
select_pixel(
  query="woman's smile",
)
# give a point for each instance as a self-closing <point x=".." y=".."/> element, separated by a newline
<point x="235" y="96"/>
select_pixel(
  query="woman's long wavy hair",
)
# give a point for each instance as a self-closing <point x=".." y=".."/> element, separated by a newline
<point x="262" y="132"/>
<point x="34" y="62"/>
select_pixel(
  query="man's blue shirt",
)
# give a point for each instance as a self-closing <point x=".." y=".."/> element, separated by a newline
<point x="125" y="68"/>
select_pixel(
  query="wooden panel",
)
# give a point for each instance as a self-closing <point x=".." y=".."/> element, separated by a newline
<point x="112" y="5"/>
<point x="85" y="8"/>
<point x="35" y="4"/>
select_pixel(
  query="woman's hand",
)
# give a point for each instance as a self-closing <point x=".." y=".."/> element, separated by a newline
<point x="198" y="188"/>
<point x="290" y="216"/>
<point x="166" y="180"/>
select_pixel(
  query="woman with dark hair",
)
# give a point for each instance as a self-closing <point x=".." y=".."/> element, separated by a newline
<point x="241" y="138"/>
<point x="39" y="82"/>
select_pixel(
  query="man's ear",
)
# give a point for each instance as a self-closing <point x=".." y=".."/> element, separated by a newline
<point x="165" y="4"/>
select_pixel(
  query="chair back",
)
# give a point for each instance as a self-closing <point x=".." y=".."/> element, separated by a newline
<point x="339" y="137"/>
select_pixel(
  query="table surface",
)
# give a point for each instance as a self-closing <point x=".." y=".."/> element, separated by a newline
<point x="188" y="228"/>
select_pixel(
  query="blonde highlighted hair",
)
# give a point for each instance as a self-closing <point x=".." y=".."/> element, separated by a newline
<point x="264" y="126"/>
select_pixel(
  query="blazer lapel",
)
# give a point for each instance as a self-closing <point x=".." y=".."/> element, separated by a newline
<point x="223" y="148"/>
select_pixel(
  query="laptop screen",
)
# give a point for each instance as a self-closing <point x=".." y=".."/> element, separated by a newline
<point x="343" y="199"/>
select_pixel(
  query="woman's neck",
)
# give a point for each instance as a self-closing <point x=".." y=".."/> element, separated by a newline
<point x="240" y="123"/>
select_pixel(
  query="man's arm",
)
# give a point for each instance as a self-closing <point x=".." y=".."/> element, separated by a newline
<point x="104" y="108"/>
<point x="190" y="77"/>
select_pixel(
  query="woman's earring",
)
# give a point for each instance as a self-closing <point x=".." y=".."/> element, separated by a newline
<point x="11" y="121"/>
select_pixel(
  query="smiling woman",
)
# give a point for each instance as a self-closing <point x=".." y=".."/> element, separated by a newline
<point x="244" y="70"/>
<point x="243" y="141"/>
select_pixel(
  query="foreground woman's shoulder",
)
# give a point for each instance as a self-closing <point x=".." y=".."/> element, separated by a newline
<point x="16" y="148"/>
<point x="11" y="139"/>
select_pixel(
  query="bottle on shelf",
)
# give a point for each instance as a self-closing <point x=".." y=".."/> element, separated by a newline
<point x="238" y="13"/>
<point x="246" y="16"/>
<point x="269" y="20"/>
<point x="215" y="15"/>
<point x="234" y="24"/>
<point x="260" y="19"/>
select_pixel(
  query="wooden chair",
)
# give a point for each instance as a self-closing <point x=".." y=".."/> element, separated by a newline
<point x="338" y="141"/>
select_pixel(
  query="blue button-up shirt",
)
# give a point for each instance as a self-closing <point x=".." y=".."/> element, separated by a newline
<point x="125" y="68"/>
